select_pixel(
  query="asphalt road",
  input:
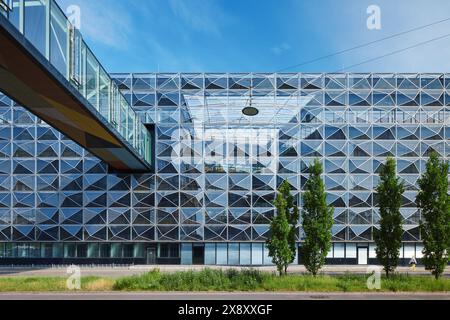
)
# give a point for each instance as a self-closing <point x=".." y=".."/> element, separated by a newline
<point x="190" y="296"/>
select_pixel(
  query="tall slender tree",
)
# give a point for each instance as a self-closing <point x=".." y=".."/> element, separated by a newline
<point x="434" y="202"/>
<point x="292" y="214"/>
<point x="388" y="239"/>
<point x="317" y="221"/>
<point x="282" y="242"/>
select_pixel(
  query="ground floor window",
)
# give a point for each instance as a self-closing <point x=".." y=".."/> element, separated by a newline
<point x="72" y="250"/>
<point x="218" y="253"/>
<point x="168" y="250"/>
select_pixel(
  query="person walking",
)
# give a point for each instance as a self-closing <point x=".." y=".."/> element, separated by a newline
<point x="413" y="263"/>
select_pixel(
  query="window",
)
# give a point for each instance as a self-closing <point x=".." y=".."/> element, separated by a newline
<point x="34" y="250"/>
<point x="245" y="254"/>
<point x="22" y="250"/>
<point x="57" y="250"/>
<point x="10" y="250"/>
<point x="128" y="250"/>
<point x="339" y="250"/>
<point x="82" y="250"/>
<point x="222" y="254"/>
<point x="169" y="250"/>
<point x="116" y="250"/>
<point x="46" y="250"/>
<point x="410" y="250"/>
<point x="93" y="250"/>
<point x="59" y="40"/>
<point x="105" y="250"/>
<point x="210" y="253"/>
<point x="257" y="253"/>
<point x="351" y="250"/>
<point x="233" y="254"/>
<point x="14" y="14"/>
<point x="35" y="23"/>
<point x="70" y="250"/>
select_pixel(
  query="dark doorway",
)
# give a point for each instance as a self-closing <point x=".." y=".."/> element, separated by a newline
<point x="198" y="254"/>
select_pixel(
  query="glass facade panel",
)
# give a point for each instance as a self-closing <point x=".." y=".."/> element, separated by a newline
<point x="245" y="254"/>
<point x="257" y="254"/>
<point x="70" y="250"/>
<point x="93" y="250"/>
<point x="410" y="251"/>
<point x="14" y="14"/>
<point x="116" y="250"/>
<point x="210" y="253"/>
<point x="138" y="250"/>
<point x="233" y="254"/>
<point x="339" y="250"/>
<point x="266" y="259"/>
<point x="104" y="94"/>
<point x="222" y="254"/>
<point x="419" y="251"/>
<point x="350" y="251"/>
<point x="186" y="253"/>
<point x="92" y="78"/>
<point x="105" y="250"/>
<point x="23" y="250"/>
<point x="35" y="28"/>
<point x="372" y="253"/>
<point x="59" y="41"/>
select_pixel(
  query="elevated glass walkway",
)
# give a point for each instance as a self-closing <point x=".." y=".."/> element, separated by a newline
<point x="46" y="66"/>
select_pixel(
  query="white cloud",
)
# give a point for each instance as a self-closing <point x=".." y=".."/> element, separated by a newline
<point x="200" y="15"/>
<point x="103" y="21"/>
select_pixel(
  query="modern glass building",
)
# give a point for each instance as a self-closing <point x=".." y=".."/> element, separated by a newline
<point x="221" y="145"/>
<point x="217" y="170"/>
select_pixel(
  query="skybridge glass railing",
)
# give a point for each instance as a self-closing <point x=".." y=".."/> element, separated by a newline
<point x="44" y="24"/>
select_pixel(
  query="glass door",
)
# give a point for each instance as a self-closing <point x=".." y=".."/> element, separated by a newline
<point x="363" y="255"/>
<point x="151" y="256"/>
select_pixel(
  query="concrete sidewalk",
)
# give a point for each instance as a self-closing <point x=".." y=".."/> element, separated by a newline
<point x="116" y="272"/>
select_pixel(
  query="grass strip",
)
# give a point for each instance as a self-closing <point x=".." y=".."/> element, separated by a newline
<point x="228" y="280"/>
<point x="253" y="280"/>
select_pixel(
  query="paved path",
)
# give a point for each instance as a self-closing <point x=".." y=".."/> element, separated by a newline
<point x="133" y="270"/>
<point x="190" y="296"/>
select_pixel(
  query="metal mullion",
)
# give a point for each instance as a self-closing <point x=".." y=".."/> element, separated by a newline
<point x="97" y="89"/>
<point x="22" y="16"/>
<point x="69" y="44"/>
<point x="48" y="5"/>
<point x="83" y="60"/>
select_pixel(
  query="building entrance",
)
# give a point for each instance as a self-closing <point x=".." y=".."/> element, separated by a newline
<point x="151" y="256"/>
<point x="198" y="254"/>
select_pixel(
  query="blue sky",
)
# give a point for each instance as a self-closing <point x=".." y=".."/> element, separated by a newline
<point x="261" y="35"/>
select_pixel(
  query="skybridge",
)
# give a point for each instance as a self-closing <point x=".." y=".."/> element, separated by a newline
<point x="46" y="66"/>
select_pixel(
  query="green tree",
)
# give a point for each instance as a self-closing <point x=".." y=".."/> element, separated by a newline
<point x="389" y="238"/>
<point x="317" y="221"/>
<point x="434" y="202"/>
<point x="282" y="242"/>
